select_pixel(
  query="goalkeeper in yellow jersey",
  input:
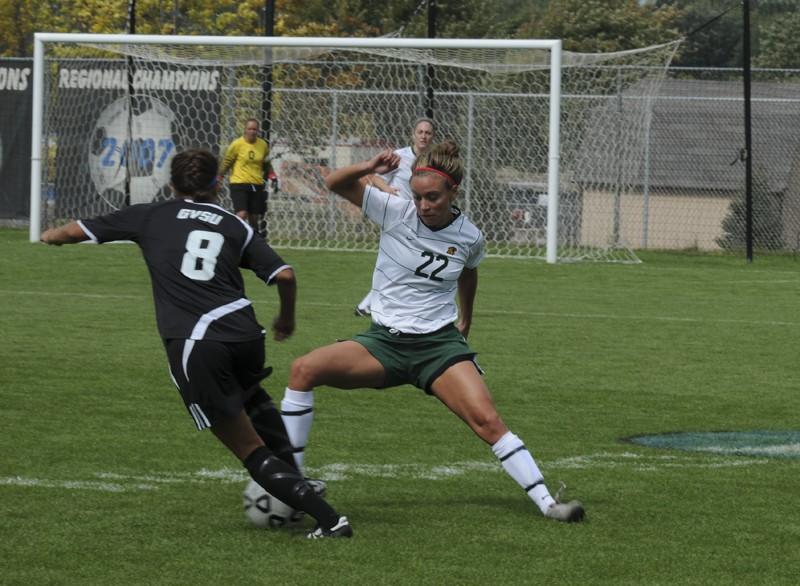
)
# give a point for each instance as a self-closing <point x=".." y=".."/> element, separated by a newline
<point x="247" y="158"/>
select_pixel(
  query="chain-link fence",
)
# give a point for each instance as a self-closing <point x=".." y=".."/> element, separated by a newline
<point x="693" y="173"/>
<point x="646" y="163"/>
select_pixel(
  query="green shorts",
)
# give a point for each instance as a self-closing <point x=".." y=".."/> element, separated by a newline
<point x="416" y="359"/>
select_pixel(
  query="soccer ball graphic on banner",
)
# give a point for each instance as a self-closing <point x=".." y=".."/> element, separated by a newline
<point x="146" y="156"/>
<point x="265" y="511"/>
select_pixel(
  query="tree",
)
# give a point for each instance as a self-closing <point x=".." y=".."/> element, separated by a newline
<point x="13" y="17"/>
<point x="717" y="45"/>
<point x="598" y="26"/>
<point x="325" y="18"/>
<point x="480" y="19"/>
<point x="19" y="19"/>
<point x="779" y="44"/>
<point x="767" y="217"/>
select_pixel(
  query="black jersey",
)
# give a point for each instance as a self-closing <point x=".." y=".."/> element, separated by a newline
<point x="194" y="251"/>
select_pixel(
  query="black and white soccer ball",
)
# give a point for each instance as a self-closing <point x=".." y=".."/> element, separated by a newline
<point x="133" y="139"/>
<point x="265" y="511"/>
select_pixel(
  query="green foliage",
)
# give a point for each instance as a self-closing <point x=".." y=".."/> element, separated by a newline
<point x="716" y="45"/>
<point x="577" y="357"/>
<point x="596" y="26"/>
<point x="775" y="28"/>
<point x="19" y="19"/>
<point x="585" y="25"/>
<point x="767" y="218"/>
<point x="779" y="44"/>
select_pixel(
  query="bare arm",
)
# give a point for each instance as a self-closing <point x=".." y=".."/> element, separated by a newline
<point x="467" y="288"/>
<point x="349" y="182"/>
<point x="381" y="184"/>
<point x="227" y="161"/>
<point x="283" y="325"/>
<point x="67" y="234"/>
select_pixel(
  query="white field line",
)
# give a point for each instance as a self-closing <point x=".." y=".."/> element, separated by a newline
<point x="784" y="450"/>
<point x="707" y="270"/>
<point x="74" y="484"/>
<point x="117" y="482"/>
<point x="501" y="312"/>
<point x="764" y="282"/>
<point x="662" y="318"/>
<point x="147" y="298"/>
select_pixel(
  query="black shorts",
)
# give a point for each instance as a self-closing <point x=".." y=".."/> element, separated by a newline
<point x="248" y="197"/>
<point x="212" y="377"/>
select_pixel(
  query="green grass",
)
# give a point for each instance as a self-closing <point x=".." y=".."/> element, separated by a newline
<point x="577" y="357"/>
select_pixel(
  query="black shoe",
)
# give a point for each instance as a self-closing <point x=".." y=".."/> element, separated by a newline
<point x="358" y="312"/>
<point x="341" y="529"/>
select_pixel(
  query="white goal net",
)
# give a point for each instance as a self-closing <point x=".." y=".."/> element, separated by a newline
<point x="114" y="110"/>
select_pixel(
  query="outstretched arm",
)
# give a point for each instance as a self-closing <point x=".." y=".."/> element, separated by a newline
<point x="283" y="325"/>
<point x="67" y="234"/>
<point x="349" y="182"/>
<point x="381" y="184"/>
<point x="467" y="288"/>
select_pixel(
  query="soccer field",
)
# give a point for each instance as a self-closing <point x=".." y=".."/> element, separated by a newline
<point x="104" y="480"/>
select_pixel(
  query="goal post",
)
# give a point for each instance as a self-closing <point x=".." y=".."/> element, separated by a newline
<point x="111" y="110"/>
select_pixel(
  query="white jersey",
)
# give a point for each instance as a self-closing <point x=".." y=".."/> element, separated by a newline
<point x="416" y="275"/>
<point x="400" y="178"/>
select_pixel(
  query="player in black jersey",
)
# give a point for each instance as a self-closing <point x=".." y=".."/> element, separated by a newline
<point x="194" y="250"/>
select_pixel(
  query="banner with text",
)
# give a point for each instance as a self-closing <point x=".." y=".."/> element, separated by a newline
<point x="15" y="137"/>
<point x="115" y="126"/>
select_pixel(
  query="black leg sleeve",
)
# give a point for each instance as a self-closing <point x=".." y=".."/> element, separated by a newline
<point x="269" y="425"/>
<point x="285" y="483"/>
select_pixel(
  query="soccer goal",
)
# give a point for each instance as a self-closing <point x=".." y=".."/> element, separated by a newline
<point x="552" y="140"/>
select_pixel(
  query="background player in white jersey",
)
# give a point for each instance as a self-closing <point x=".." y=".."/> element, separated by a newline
<point x="397" y="181"/>
<point x="429" y="253"/>
<point x="215" y="347"/>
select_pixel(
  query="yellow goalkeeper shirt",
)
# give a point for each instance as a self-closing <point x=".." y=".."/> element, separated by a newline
<point x="246" y="161"/>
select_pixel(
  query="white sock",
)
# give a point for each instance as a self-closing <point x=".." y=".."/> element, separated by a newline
<point x="520" y="465"/>
<point x="298" y="413"/>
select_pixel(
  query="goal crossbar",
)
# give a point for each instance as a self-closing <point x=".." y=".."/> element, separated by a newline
<point x="327" y="42"/>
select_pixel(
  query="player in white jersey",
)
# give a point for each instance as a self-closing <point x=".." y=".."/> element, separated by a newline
<point x="397" y="181"/>
<point x="429" y="254"/>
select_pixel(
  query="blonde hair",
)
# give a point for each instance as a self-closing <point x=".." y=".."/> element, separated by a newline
<point x="443" y="158"/>
<point x="422" y="119"/>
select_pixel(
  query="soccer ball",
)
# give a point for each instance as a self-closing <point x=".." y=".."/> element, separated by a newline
<point x="265" y="511"/>
<point x="153" y="133"/>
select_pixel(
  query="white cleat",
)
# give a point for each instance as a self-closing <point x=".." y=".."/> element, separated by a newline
<point x="570" y="512"/>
